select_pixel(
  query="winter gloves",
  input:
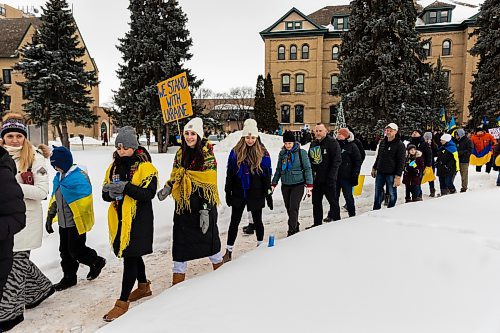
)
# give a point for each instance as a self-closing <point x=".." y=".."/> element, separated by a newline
<point x="115" y="189"/>
<point x="204" y="220"/>
<point x="50" y="216"/>
<point x="229" y="199"/>
<point x="269" y="201"/>
<point x="164" y="192"/>
<point x="48" y="225"/>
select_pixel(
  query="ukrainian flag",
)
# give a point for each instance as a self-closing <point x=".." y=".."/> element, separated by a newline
<point x="442" y="115"/>
<point x="481" y="157"/>
<point x="452" y="126"/>
<point x="498" y="121"/>
<point x="77" y="192"/>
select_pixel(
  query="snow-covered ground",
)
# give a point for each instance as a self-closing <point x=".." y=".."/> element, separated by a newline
<point x="420" y="267"/>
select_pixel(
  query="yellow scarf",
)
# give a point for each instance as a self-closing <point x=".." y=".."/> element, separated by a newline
<point x="142" y="178"/>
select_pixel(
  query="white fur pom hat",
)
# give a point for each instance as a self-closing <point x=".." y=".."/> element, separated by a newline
<point x="250" y="128"/>
<point x="195" y="125"/>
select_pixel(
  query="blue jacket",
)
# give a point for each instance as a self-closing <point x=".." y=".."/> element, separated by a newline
<point x="293" y="174"/>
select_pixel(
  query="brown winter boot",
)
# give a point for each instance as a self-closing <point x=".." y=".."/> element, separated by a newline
<point x="215" y="266"/>
<point x="227" y="256"/>
<point x="177" y="278"/>
<point x="120" y="308"/>
<point x="142" y="290"/>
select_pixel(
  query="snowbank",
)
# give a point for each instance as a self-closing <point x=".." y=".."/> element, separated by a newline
<point x="272" y="142"/>
<point x="431" y="267"/>
<point x="87" y="140"/>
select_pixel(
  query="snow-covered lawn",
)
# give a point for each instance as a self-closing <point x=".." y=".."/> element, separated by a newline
<point x="420" y="267"/>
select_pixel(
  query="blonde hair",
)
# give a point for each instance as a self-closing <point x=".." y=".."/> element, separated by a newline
<point x="27" y="156"/>
<point x="252" y="154"/>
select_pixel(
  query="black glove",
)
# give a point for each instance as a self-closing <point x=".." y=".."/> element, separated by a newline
<point x="48" y="225"/>
<point x="229" y="199"/>
<point x="354" y="180"/>
<point x="269" y="200"/>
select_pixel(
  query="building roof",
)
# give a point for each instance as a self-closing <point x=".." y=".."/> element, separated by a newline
<point x="12" y="34"/>
<point x="325" y="14"/>
<point x="439" y="4"/>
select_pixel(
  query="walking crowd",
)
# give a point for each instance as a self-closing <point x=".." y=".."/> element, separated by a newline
<point x="330" y="166"/>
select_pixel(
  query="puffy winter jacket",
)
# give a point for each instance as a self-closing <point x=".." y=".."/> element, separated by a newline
<point x="414" y="169"/>
<point x="300" y="171"/>
<point x="351" y="161"/>
<point x="424" y="148"/>
<point x="325" y="159"/>
<point x="482" y="141"/>
<point x="465" y="148"/>
<point x="390" y="157"/>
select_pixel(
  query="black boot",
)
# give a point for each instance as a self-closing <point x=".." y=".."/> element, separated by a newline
<point x="96" y="268"/>
<point x="433" y="193"/>
<point x="65" y="283"/>
<point x="328" y="219"/>
<point x="249" y="229"/>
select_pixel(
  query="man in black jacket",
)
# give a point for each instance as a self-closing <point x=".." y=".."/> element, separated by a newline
<point x="324" y="154"/>
<point x="422" y="146"/>
<point x="388" y="166"/>
<point x="12" y="214"/>
<point x="465" y="148"/>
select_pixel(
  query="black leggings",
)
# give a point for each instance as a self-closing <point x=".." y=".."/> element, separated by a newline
<point x="133" y="269"/>
<point x="236" y="214"/>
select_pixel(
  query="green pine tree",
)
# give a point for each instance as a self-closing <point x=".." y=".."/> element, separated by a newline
<point x="440" y="96"/>
<point x="3" y="93"/>
<point x="153" y="50"/>
<point x="259" y="101"/>
<point x="56" y="79"/>
<point x="382" y="70"/>
<point x="486" y="85"/>
<point x="269" y="116"/>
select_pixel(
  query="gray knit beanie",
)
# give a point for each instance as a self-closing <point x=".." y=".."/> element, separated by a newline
<point x="127" y="137"/>
<point x="427" y="136"/>
<point x="460" y="132"/>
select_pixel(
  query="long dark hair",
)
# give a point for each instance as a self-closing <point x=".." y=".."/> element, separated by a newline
<point x="192" y="158"/>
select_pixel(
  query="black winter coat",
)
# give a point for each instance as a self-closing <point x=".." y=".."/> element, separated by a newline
<point x="141" y="233"/>
<point x="325" y="159"/>
<point x="465" y="148"/>
<point x="445" y="163"/>
<point x="391" y="157"/>
<point x="351" y="161"/>
<point x="424" y="148"/>
<point x="12" y="213"/>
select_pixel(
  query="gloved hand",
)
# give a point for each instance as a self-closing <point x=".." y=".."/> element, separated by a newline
<point x="269" y="200"/>
<point x="229" y="199"/>
<point x="164" y="192"/>
<point x="114" y="195"/>
<point x="117" y="187"/>
<point x="204" y="220"/>
<point x="397" y="181"/>
<point x="374" y="173"/>
<point x="309" y="191"/>
<point x="354" y="180"/>
<point x="48" y="225"/>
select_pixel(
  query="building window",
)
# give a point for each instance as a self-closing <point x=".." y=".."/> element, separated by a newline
<point x="446" y="48"/>
<point x="293" y="25"/>
<point x="7" y="76"/>
<point x="333" y="114"/>
<point x="340" y="23"/>
<point x="289" y="25"/>
<point x="285" y="83"/>
<point x="334" y="80"/>
<point x="335" y="52"/>
<point x="285" y="114"/>
<point x="297" y="25"/>
<point x="446" y="75"/>
<point x="299" y="114"/>
<point x="427" y="49"/>
<point x="293" y="52"/>
<point x="443" y="16"/>
<point x="7" y="100"/>
<point x="281" y="52"/>
<point x="299" y="83"/>
<point x="25" y="92"/>
<point x="432" y="17"/>
<point x="2" y="11"/>
<point x="305" y="51"/>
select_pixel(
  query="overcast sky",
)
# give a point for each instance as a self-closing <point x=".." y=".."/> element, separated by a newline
<point x="227" y="48"/>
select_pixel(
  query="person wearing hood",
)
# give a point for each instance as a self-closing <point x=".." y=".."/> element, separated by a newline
<point x="27" y="286"/>
<point x="412" y="175"/>
<point x="418" y="141"/>
<point x="12" y="221"/>
<point x="447" y="164"/>
<point x="294" y="170"/>
<point x="388" y="166"/>
<point x="349" y="168"/>
<point x="465" y="148"/>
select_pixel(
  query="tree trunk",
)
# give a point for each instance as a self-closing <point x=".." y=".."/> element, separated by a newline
<point x="65" y="137"/>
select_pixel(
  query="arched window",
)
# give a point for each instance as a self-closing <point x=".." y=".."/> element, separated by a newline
<point x="305" y="51"/>
<point x="285" y="83"/>
<point x="335" y="52"/>
<point x="285" y="114"/>
<point x="299" y="114"/>
<point x="299" y="83"/>
<point x="293" y="52"/>
<point x="446" y="47"/>
<point x="281" y="52"/>
<point x="334" y="81"/>
<point x="427" y="48"/>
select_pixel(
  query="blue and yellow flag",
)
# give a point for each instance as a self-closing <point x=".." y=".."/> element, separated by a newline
<point x="498" y="121"/>
<point x="452" y="148"/>
<point x="481" y="157"/>
<point x="442" y="115"/>
<point x="77" y="192"/>
<point x="485" y="121"/>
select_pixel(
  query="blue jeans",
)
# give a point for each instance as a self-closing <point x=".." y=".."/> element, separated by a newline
<point x="446" y="183"/>
<point x="380" y="181"/>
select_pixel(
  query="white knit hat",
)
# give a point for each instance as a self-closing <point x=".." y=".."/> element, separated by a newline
<point x="195" y="125"/>
<point x="446" y="137"/>
<point x="250" y="128"/>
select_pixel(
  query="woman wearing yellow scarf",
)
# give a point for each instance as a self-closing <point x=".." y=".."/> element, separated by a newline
<point x="130" y="185"/>
<point x="193" y="185"/>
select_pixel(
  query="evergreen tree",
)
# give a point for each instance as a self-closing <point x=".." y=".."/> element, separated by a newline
<point x="269" y="120"/>
<point x="58" y="84"/>
<point x="3" y="93"/>
<point x="153" y="50"/>
<point x="486" y="85"/>
<point x="259" y="101"/>
<point x="382" y="70"/>
<point x="440" y="96"/>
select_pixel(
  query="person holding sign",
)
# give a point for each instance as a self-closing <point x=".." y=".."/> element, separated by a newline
<point x="248" y="183"/>
<point x="193" y="186"/>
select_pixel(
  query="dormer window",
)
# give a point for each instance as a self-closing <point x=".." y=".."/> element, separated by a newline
<point x="293" y="25"/>
<point x="438" y="16"/>
<point x="2" y="11"/>
<point x="339" y="22"/>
